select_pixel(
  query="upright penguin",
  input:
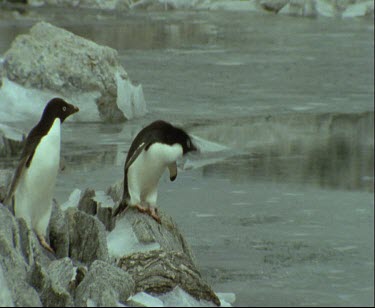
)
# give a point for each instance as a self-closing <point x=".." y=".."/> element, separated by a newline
<point x="31" y="191"/>
<point x="155" y="148"/>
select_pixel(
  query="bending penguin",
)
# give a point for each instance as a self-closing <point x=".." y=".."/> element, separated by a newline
<point x="31" y="191"/>
<point x="155" y="148"/>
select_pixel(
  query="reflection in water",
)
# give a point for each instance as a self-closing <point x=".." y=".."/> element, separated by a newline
<point x="330" y="150"/>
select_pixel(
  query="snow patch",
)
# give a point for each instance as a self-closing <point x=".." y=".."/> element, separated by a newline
<point x="122" y="241"/>
<point x="146" y="300"/>
<point x="103" y="200"/>
<point x="73" y="200"/>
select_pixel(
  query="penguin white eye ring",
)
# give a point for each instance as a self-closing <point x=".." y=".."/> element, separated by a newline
<point x="64" y="108"/>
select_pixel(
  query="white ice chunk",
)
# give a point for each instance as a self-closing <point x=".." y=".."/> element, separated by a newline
<point x="359" y="9"/>
<point x="130" y="98"/>
<point x="103" y="199"/>
<point x="179" y="298"/>
<point x="73" y="200"/>
<point x="146" y="300"/>
<point x="226" y="299"/>
<point x="122" y="241"/>
<point x="91" y="303"/>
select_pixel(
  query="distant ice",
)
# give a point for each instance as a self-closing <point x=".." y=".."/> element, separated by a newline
<point x="122" y="241"/>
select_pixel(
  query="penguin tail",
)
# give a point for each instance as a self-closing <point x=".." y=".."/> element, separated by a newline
<point x="122" y="207"/>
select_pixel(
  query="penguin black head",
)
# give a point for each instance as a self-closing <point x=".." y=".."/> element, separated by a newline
<point x="172" y="135"/>
<point x="184" y="139"/>
<point x="58" y="108"/>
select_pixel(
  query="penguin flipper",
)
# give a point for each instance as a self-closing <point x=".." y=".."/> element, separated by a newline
<point x="172" y="171"/>
<point x="16" y="178"/>
<point x="25" y="161"/>
<point x="135" y="154"/>
<point x="121" y="208"/>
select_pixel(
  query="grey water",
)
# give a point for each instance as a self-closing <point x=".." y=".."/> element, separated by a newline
<point x="284" y="216"/>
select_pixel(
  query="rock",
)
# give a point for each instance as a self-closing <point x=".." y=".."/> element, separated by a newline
<point x="158" y="271"/>
<point x="98" y="204"/>
<point x="87" y="237"/>
<point x="105" y="285"/>
<point x="11" y="141"/>
<point x="13" y="263"/>
<point x="272" y="5"/>
<point x="68" y="65"/>
<point x="52" y="282"/>
<point x="81" y="273"/>
<point x="59" y="232"/>
<point x="5" y="296"/>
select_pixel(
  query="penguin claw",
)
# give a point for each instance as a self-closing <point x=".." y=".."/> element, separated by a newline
<point x="44" y="244"/>
<point x="152" y="211"/>
<point x="154" y="214"/>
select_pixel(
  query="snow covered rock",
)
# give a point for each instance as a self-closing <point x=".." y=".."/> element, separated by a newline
<point x="87" y="74"/>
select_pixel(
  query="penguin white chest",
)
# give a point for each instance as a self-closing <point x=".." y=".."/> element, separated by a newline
<point x="145" y="172"/>
<point x="33" y="196"/>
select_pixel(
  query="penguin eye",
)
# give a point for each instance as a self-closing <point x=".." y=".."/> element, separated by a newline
<point x="64" y="108"/>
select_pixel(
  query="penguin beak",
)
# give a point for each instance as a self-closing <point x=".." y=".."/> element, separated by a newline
<point x="193" y="148"/>
<point x="76" y="109"/>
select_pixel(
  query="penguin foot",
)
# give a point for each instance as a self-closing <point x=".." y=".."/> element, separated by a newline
<point x="153" y="212"/>
<point x="150" y="210"/>
<point x="44" y="243"/>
